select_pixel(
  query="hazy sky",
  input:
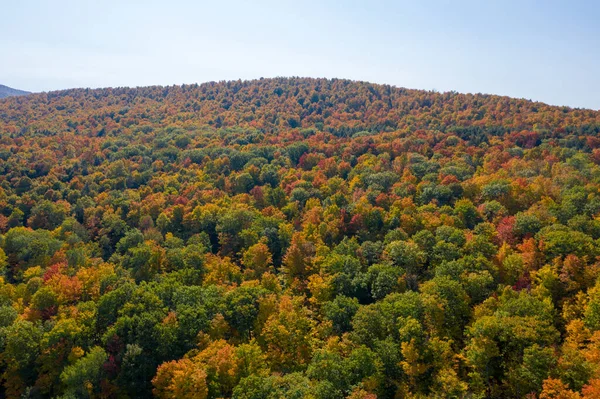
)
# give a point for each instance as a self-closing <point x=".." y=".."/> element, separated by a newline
<point x="541" y="50"/>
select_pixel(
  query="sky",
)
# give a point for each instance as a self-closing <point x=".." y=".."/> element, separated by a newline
<point x="546" y="51"/>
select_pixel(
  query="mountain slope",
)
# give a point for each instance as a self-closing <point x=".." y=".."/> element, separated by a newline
<point x="341" y="107"/>
<point x="297" y="238"/>
<point x="6" y="91"/>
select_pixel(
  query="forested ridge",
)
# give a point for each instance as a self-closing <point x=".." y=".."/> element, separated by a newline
<point x="297" y="238"/>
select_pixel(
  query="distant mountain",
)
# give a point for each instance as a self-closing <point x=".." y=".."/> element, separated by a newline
<point x="6" y="91"/>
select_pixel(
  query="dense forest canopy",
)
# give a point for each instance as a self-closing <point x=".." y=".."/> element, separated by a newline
<point x="299" y="239"/>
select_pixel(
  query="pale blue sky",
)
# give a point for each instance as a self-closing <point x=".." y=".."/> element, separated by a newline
<point x="541" y="50"/>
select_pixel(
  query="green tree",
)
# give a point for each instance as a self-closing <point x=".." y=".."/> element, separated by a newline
<point x="341" y="311"/>
<point x="82" y="379"/>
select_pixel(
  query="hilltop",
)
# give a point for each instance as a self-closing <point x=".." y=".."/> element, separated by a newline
<point x="340" y="107"/>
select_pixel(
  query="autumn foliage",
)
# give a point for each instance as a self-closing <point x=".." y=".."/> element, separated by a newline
<point x="300" y="239"/>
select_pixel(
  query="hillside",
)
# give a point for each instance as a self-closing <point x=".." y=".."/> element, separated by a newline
<point x="298" y="238"/>
<point x="6" y="91"/>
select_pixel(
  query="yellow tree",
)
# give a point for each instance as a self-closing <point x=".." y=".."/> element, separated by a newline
<point x="288" y="335"/>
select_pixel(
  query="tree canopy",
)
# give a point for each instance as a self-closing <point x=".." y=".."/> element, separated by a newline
<point x="297" y="238"/>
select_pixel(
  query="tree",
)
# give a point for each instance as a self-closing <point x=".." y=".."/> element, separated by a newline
<point x="466" y="212"/>
<point x="507" y="330"/>
<point x="592" y="310"/>
<point x="3" y="262"/>
<point x="48" y="215"/>
<point x="447" y="298"/>
<point x="21" y="348"/>
<point x="288" y="335"/>
<point x="341" y="311"/>
<point x="242" y="308"/>
<point x="25" y="247"/>
<point x="144" y="260"/>
<point x="180" y="379"/>
<point x="298" y="257"/>
<point x="82" y="379"/>
<point x="556" y="389"/>
<point x="257" y="260"/>
<point x="406" y="255"/>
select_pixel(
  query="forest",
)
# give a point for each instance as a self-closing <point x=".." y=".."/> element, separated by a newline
<point x="297" y="238"/>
